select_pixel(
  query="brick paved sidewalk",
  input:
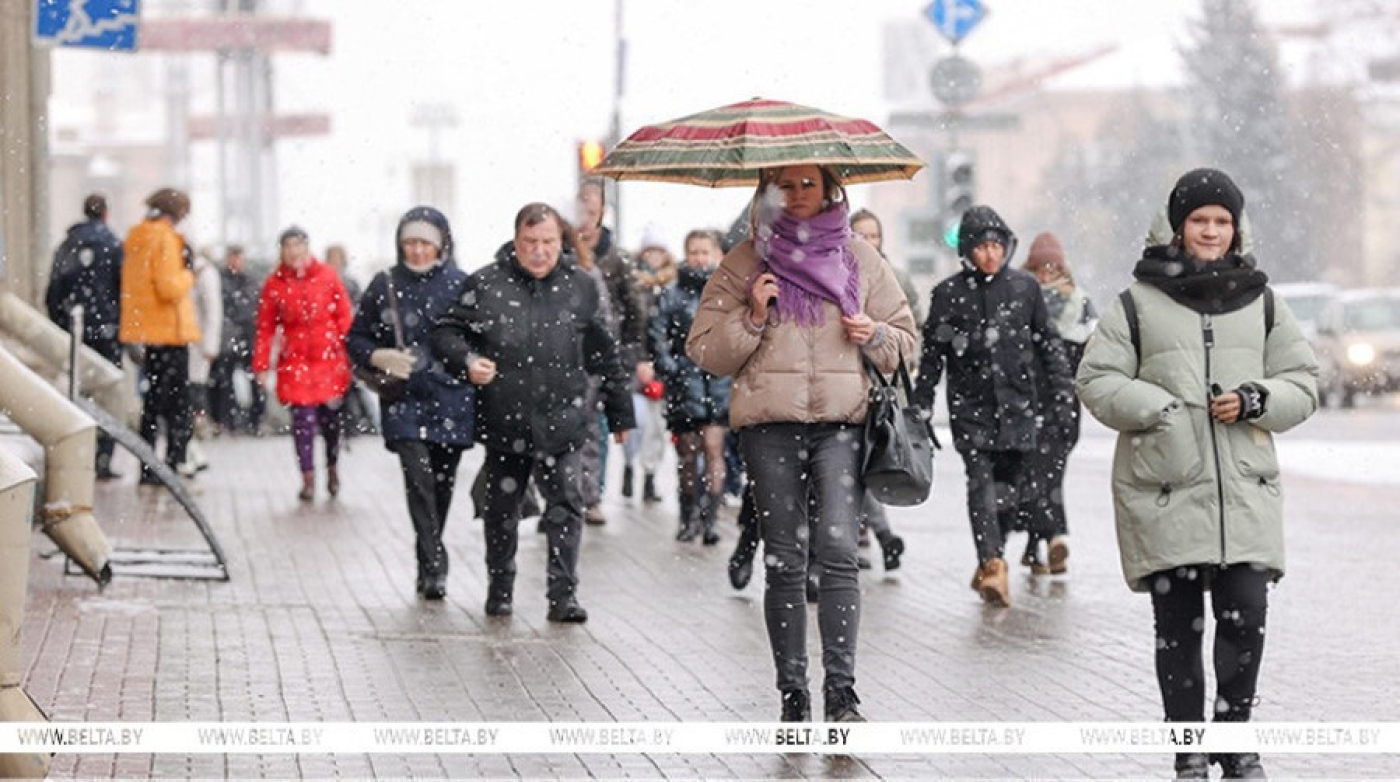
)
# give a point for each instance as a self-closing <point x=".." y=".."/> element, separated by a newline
<point x="320" y="623"/>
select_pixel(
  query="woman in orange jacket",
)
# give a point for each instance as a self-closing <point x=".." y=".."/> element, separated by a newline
<point x="158" y="313"/>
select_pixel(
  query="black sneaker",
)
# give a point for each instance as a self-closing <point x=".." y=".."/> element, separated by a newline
<point x="568" y="611"/>
<point x="841" y="705"/>
<point x="150" y="479"/>
<point x="797" y="706"/>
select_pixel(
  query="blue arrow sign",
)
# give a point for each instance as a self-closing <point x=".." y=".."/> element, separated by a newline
<point x="98" y="24"/>
<point x="954" y="19"/>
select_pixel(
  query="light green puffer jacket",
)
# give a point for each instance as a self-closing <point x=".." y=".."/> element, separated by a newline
<point x="1188" y="490"/>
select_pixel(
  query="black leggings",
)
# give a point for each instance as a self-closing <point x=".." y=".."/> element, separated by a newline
<point x="1239" y="600"/>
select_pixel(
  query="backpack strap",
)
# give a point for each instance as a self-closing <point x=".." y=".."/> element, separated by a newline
<point x="1134" y="331"/>
<point x="1268" y="311"/>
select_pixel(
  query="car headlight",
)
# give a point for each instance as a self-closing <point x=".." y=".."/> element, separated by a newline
<point x="1361" y="353"/>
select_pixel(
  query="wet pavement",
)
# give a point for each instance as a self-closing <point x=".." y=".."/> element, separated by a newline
<point x="319" y="622"/>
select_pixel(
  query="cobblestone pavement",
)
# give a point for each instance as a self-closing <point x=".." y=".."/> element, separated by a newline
<point x="320" y="623"/>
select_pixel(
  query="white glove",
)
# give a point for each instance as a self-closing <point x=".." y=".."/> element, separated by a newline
<point x="398" y="363"/>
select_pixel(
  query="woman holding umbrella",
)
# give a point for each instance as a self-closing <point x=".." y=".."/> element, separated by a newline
<point x="791" y="315"/>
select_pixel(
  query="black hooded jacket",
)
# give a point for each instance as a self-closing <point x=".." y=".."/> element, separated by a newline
<point x="438" y="406"/>
<point x="992" y="335"/>
<point x="545" y="336"/>
<point x="87" y="270"/>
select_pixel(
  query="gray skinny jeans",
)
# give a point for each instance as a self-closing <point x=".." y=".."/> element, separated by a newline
<point x="785" y="461"/>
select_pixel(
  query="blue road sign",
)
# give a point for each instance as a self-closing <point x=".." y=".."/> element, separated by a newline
<point x="98" y="24"/>
<point x="955" y="18"/>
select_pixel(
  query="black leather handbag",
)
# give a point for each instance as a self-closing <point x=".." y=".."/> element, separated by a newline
<point x="899" y="441"/>
<point x="390" y="389"/>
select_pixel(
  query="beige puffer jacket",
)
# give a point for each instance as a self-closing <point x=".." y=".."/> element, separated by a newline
<point x="785" y="373"/>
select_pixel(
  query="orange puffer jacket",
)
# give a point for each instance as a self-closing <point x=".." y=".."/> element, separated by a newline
<point x="156" y="305"/>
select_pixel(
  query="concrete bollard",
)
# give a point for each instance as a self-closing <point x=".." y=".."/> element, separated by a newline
<point x="16" y="504"/>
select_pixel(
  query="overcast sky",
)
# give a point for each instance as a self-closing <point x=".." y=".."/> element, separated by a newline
<point x="526" y="79"/>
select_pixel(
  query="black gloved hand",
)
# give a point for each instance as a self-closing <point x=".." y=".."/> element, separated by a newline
<point x="1253" y="399"/>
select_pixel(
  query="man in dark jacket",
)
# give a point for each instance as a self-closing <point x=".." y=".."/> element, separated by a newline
<point x="241" y="291"/>
<point x="527" y="332"/>
<point x="988" y="327"/>
<point x="629" y="306"/>
<point x="87" y="272"/>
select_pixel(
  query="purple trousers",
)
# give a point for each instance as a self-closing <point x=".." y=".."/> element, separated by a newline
<point x="306" y="419"/>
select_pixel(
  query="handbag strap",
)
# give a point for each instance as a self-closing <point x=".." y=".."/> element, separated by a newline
<point x="899" y="379"/>
<point x="394" y="310"/>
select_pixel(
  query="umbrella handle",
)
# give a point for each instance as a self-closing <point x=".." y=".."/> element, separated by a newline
<point x="772" y="300"/>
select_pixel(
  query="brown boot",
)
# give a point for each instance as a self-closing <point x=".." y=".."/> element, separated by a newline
<point x="332" y="481"/>
<point x="1059" y="554"/>
<point x="991" y="581"/>
<point x="308" y="487"/>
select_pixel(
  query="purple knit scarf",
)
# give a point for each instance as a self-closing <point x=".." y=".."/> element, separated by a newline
<point x="813" y="264"/>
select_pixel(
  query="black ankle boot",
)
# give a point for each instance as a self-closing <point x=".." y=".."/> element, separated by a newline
<point x="741" y="561"/>
<point x="1192" y="765"/>
<point x="797" y="706"/>
<point x="500" y="596"/>
<point x="892" y="548"/>
<point x="627" y="481"/>
<point x="707" y="511"/>
<point x="1239" y="765"/>
<point x="690" y="522"/>
<point x="649" y="489"/>
<point x="841" y="705"/>
<point x="435" y="586"/>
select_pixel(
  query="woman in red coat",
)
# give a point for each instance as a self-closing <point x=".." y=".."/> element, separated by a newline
<point x="305" y="299"/>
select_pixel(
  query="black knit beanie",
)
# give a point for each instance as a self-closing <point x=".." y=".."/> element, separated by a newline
<point x="1203" y="187"/>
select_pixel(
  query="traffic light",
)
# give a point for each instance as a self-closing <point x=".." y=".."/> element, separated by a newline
<point x="590" y="154"/>
<point x="959" y="183"/>
<point x="959" y="192"/>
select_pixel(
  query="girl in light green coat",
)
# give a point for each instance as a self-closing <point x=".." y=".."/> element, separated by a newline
<point x="1196" y="380"/>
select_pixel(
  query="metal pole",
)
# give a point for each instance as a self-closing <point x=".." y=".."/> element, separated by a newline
<point x="75" y="336"/>
<point x="615" y="132"/>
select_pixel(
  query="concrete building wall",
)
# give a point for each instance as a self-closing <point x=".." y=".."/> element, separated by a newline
<point x="23" y="180"/>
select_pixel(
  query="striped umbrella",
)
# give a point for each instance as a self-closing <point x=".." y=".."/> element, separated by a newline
<point x="726" y="147"/>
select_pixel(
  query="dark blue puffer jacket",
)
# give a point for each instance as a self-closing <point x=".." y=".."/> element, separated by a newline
<point x="694" y="397"/>
<point x="438" y="408"/>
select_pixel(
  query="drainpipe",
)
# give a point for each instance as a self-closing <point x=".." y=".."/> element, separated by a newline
<point x="16" y="504"/>
<point x="69" y="438"/>
<point x="99" y="378"/>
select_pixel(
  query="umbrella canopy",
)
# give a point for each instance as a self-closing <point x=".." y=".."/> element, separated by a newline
<point x="726" y="147"/>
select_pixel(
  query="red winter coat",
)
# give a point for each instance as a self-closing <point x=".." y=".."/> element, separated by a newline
<point x="314" y="314"/>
